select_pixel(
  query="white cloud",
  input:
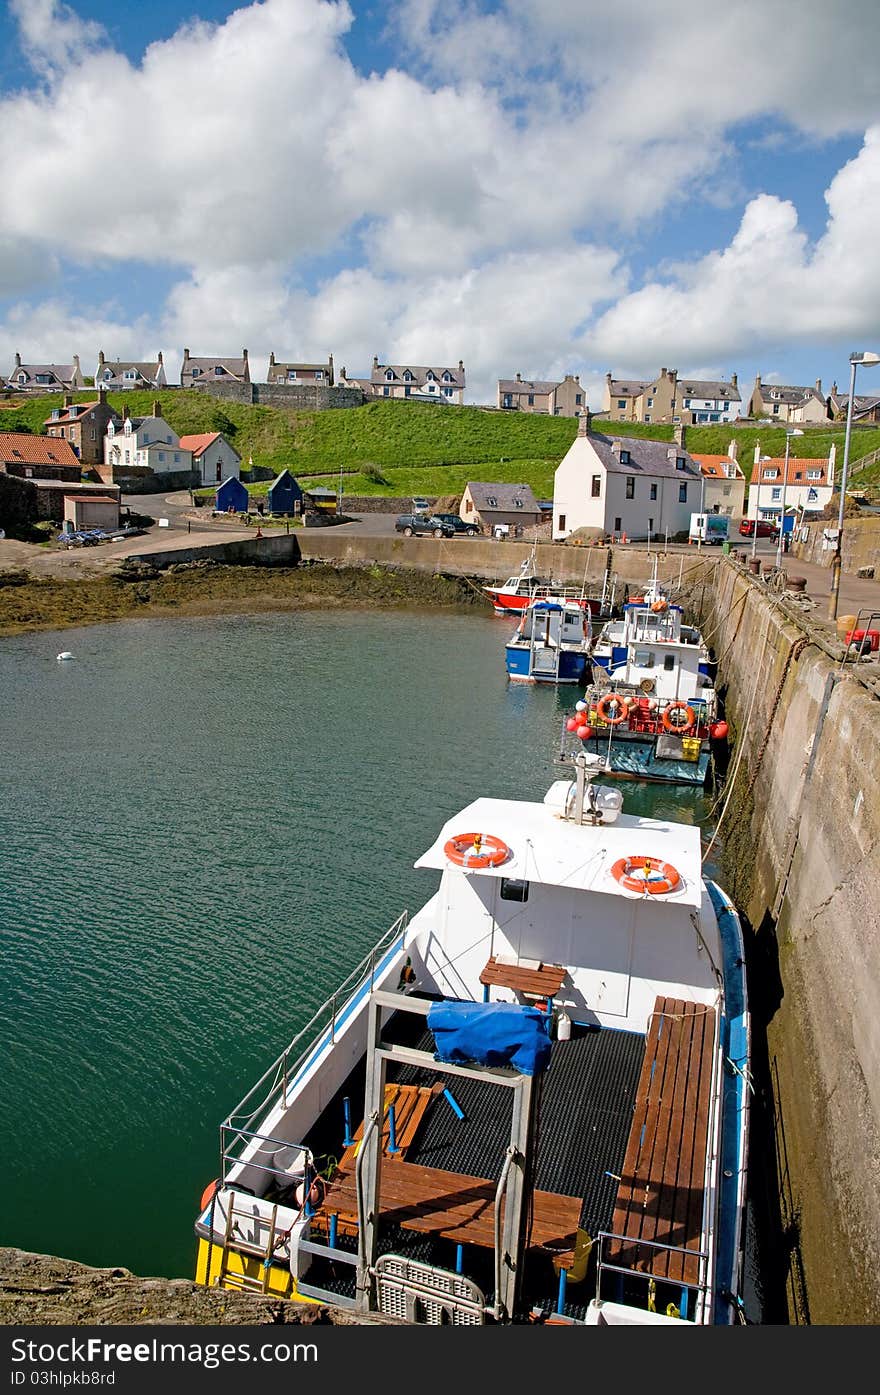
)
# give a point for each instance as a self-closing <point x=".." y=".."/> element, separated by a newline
<point x="768" y="286"/>
<point x="52" y="32"/>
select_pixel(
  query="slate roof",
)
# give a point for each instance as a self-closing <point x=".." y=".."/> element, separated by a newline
<point x="646" y="457"/>
<point x="70" y="415"/>
<point x="627" y="387"/>
<point x="23" y="449"/>
<point x="235" y="367"/>
<point x="419" y="372"/>
<point x="791" y="396"/>
<point x="508" y="497"/>
<point x="148" y="371"/>
<point x="525" y="385"/>
<point x="693" y="387"/>
<point x="63" y="373"/>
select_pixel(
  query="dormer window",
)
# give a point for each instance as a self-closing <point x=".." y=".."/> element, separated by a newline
<point x="624" y="456"/>
<point x="771" y="474"/>
<point x="22" y="377"/>
<point x="518" y="503"/>
<point x="108" y="374"/>
<point x="492" y="501"/>
<point x="447" y="376"/>
<point x="219" y="370"/>
<point x="196" y="372"/>
<point x="128" y="426"/>
<point x="407" y="377"/>
<point x="680" y="462"/>
<point x="429" y="376"/>
<point x="388" y="375"/>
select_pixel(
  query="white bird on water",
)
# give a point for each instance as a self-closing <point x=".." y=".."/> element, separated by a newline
<point x="65" y="654"/>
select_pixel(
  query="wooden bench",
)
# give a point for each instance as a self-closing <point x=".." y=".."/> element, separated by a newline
<point x="451" y="1204"/>
<point x="410" y="1103"/>
<point x="544" y="982"/>
<point x="662" y="1186"/>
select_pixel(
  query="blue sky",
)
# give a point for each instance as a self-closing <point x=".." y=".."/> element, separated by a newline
<point x="562" y="188"/>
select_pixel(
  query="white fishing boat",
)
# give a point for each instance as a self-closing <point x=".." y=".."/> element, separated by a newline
<point x="652" y="709"/>
<point x="529" y="1103"/>
<point x="551" y="644"/>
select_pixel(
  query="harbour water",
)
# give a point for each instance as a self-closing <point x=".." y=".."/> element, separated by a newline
<point x="204" y="825"/>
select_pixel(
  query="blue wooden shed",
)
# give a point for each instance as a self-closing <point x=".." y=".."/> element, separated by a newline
<point x="232" y="494"/>
<point x="284" y="494"/>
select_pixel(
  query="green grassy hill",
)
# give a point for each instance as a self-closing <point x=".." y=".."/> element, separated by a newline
<point x="403" y="448"/>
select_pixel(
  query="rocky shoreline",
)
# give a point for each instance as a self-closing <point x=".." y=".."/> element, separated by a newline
<point x="45" y="1290"/>
<point x="32" y="603"/>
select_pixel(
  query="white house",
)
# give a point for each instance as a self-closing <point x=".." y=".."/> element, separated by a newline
<point x="723" y="485"/>
<point x="808" y="486"/>
<point x="213" y="456"/>
<point x="141" y="444"/>
<point x="624" y="484"/>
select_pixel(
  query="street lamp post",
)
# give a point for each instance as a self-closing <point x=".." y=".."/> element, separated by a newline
<point x="761" y="463"/>
<point x="788" y="435"/>
<point x="866" y="359"/>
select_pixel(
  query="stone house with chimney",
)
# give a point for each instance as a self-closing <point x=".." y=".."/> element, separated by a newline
<point x="84" y="425"/>
<point x="299" y="373"/>
<point x="792" y="404"/>
<point x="198" y="372"/>
<point x="37" y="458"/>
<point x="565" y="399"/>
<point x="624" y="485"/>
<point x="410" y="380"/>
<point x="668" y="398"/>
<point x="118" y="375"/>
<point x="46" y="377"/>
<point x="865" y="409"/>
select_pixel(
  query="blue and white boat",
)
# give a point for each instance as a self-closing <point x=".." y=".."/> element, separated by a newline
<point x="551" y="644"/>
<point x="529" y="1103"/>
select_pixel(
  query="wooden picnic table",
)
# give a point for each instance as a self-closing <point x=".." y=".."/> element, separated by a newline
<point x="544" y="982"/>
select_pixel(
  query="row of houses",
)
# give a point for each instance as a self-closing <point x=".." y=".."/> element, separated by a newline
<point x="607" y="484"/>
<point x="666" y="398"/>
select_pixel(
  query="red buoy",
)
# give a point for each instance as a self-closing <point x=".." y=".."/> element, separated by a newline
<point x="585" y="732"/>
<point x="718" y="731"/>
<point x="209" y="1193"/>
<point x="571" y="724"/>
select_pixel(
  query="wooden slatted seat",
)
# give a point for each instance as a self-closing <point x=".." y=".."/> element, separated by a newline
<point x="544" y="982"/>
<point x="410" y="1103"/>
<point x="662" y="1187"/>
<point x="452" y="1204"/>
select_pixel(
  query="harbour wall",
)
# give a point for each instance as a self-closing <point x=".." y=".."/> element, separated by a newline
<point x="801" y="856"/>
<point x="861" y="544"/>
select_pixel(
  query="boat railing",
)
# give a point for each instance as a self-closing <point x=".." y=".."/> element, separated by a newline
<point x="241" y="1126"/>
<point x="605" y="1267"/>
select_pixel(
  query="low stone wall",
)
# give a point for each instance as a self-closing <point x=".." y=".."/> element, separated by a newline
<point x="312" y="397"/>
<point x="801" y="843"/>
<point x="861" y="544"/>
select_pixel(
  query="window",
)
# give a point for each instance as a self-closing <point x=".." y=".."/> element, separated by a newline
<point x="386" y="391"/>
<point x="22" y="377"/>
<point x="561" y="525"/>
<point x="108" y="374"/>
<point x="644" y="658"/>
<point x="726" y="490"/>
<point x="776" y="493"/>
<point x="531" y="399"/>
<point x="771" y="474"/>
<point x="319" y="375"/>
<point x="447" y="392"/>
<point x="517" y="503"/>
<point x="129" y="374"/>
<point x="668" y="662"/>
<point x="624" y="457"/>
<point x="128" y="457"/>
<point x="388" y="375"/>
<point x="650" y="402"/>
<point x="219" y="370"/>
<point x="507" y="399"/>
<point x="407" y="391"/>
<point x="687" y="402"/>
<point x="617" y="525"/>
<point x="196" y="372"/>
<point x="776" y="409"/>
<point x="492" y="501"/>
<point x="407" y="377"/>
<point x="219" y="473"/>
<point x="177" y="457"/>
<point x="814" y="474"/>
<point x="622" y="405"/>
<point x="597" y="487"/>
<point x="447" y="377"/>
<point x="680" y="462"/>
<point x="653" y="491"/>
<point x="429" y="376"/>
<point x="28" y="472"/>
<point x="93" y="435"/>
<point x="514" y="890"/>
<point x="468" y="505"/>
<point x="630" y="486"/>
<point x="647" y="416"/>
<point x="162" y="456"/>
<point x="291" y="375"/>
<point x="578" y="398"/>
<point x="682" y="493"/>
<point x="650" y="525"/>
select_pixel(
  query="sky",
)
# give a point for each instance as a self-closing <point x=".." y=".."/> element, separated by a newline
<point x="568" y="187"/>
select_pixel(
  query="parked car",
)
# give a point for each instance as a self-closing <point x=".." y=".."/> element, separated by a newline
<point x="765" y="530"/>
<point x="415" y="524"/>
<point x="421" y="505"/>
<point x="458" y="525"/>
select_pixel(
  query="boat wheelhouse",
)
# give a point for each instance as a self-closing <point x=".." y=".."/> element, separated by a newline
<point x="529" y="1103"/>
<point x="551" y="644"/>
<point x="520" y="591"/>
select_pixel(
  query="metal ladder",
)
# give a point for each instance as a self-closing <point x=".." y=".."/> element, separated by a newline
<point x="228" y="1279"/>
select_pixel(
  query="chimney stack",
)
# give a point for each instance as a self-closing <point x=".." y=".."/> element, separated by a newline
<point x="460" y="366"/>
<point x="18" y="360"/>
<point x="584" y="423"/>
<point x="518" y="378"/>
<point x="126" y="412"/>
<point x="272" y="359"/>
<point x="733" y="382"/>
<point x="102" y="396"/>
<point x="375" y="361"/>
<point x="679" y="435"/>
<point x="185" y="355"/>
<point x="819" y="386"/>
<point x="100" y="358"/>
<point x="330" y="366"/>
<point x="244" y="354"/>
<point x="159" y="359"/>
<point x="157" y="408"/>
<point x="732" y="449"/>
<point x="68" y="400"/>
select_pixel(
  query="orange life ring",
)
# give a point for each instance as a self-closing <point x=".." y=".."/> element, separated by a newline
<point x="658" y="607"/>
<point x="476" y="850"/>
<point x="606" y="702"/>
<point x="209" y="1193"/>
<point x="666" y="880"/>
<point x="674" y="727"/>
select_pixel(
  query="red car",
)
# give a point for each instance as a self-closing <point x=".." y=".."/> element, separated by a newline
<point x="765" y="530"/>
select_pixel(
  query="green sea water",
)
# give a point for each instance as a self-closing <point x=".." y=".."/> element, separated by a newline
<point x="204" y="825"/>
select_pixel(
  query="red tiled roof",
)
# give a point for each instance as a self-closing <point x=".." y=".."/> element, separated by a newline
<point x="716" y="466"/>
<point x="198" y="443"/>
<point x="795" y="465"/>
<point x="70" y="414"/>
<point x="19" y="448"/>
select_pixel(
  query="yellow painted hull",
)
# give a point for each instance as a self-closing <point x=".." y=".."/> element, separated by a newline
<point x="276" y="1282"/>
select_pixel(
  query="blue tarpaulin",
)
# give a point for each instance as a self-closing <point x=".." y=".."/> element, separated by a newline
<point x="491" y="1034"/>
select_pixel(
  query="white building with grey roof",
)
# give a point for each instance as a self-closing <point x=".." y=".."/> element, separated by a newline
<point x="624" y="485"/>
<point x="418" y="381"/>
<point x="670" y="398"/>
<point x="119" y="375"/>
<point x="46" y="377"/>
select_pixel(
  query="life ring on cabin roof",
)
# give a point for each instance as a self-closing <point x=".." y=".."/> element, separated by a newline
<point x="476" y="850"/>
<point x="604" y="705"/>
<point x="678" y="728"/>
<point x="659" y="606"/>
<point x="658" y="878"/>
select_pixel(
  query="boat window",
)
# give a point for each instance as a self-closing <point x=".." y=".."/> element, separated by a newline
<point x="669" y="662"/>
<point x="645" y="658"/>
<point x="514" y="890"/>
